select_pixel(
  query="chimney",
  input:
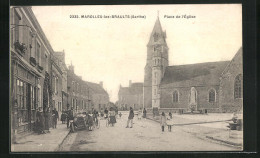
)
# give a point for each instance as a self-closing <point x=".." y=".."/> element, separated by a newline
<point x="130" y="83"/>
<point x="101" y="83"/>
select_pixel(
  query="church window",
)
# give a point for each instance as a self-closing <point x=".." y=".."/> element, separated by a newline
<point x="175" y="97"/>
<point x="238" y="87"/>
<point x="154" y="91"/>
<point x="212" y="95"/>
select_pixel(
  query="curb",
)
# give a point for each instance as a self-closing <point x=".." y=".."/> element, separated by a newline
<point x="224" y="141"/>
<point x="58" y="147"/>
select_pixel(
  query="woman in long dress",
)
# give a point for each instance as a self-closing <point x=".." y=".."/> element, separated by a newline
<point x="47" y="119"/>
<point x="40" y="121"/>
<point x="163" y="121"/>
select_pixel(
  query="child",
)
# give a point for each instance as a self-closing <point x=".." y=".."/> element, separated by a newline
<point x="90" y="121"/>
<point x="169" y="123"/>
<point x="120" y="114"/>
<point x="163" y="121"/>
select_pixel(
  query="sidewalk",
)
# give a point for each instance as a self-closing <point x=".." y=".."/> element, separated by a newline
<point x="43" y="142"/>
<point x="214" y="131"/>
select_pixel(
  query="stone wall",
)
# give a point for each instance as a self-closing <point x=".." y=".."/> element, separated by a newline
<point x="184" y="95"/>
<point x="227" y="101"/>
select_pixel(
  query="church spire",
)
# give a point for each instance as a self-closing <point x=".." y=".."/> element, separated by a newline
<point x="157" y="36"/>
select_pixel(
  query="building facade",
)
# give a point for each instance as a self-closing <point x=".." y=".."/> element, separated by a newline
<point x="56" y="81"/>
<point x="212" y="86"/>
<point x="131" y="96"/>
<point x="30" y="54"/>
<point x="60" y="56"/>
<point x="99" y="98"/>
<point x="78" y="92"/>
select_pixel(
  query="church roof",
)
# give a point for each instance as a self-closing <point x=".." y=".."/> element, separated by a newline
<point x="194" y="74"/>
<point x="96" y="88"/>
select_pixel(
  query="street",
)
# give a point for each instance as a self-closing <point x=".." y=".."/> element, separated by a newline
<point x="146" y="135"/>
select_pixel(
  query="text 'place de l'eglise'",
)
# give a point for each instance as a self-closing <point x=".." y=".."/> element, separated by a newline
<point x="40" y="78"/>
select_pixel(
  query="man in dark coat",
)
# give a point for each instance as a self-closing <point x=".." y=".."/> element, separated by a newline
<point x="55" y="117"/>
<point x="130" y="118"/>
<point x="70" y="117"/>
<point x="144" y="111"/>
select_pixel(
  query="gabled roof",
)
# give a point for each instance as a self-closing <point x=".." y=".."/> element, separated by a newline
<point x="237" y="55"/>
<point x="96" y="88"/>
<point x="194" y="74"/>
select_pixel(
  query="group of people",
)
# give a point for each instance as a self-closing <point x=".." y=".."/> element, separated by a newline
<point x="164" y="121"/>
<point x="131" y="116"/>
<point x="45" y="120"/>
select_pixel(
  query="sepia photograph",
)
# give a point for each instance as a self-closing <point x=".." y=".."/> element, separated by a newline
<point x="97" y="78"/>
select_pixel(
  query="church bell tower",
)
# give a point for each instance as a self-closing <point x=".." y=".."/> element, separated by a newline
<point x="156" y="62"/>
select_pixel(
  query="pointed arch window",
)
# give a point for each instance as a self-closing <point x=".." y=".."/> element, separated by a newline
<point x="175" y="96"/>
<point x="212" y="96"/>
<point x="238" y="87"/>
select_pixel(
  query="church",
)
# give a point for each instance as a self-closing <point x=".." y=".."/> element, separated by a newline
<point x="210" y="86"/>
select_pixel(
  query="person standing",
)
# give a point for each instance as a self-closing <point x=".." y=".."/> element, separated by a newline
<point x="47" y="119"/>
<point x="55" y="117"/>
<point x="163" y="121"/>
<point x="144" y="113"/>
<point x="169" y="122"/>
<point x="170" y="115"/>
<point x="106" y="113"/>
<point x="112" y="116"/>
<point x="69" y="117"/>
<point x="63" y="117"/>
<point x="130" y="118"/>
<point x="40" y="121"/>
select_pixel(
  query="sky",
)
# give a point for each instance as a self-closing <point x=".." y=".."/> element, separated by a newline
<point x="113" y="50"/>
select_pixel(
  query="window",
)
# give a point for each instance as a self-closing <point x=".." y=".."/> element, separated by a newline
<point x="175" y="97"/>
<point x="56" y="85"/>
<point x="238" y="87"/>
<point x="21" y="94"/>
<point x="33" y="106"/>
<point x="154" y="91"/>
<point x="212" y="96"/>
<point x="38" y="53"/>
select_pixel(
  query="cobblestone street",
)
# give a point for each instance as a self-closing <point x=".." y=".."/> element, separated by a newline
<point x="146" y="135"/>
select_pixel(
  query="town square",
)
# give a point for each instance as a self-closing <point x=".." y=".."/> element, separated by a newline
<point x="126" y="78"/>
